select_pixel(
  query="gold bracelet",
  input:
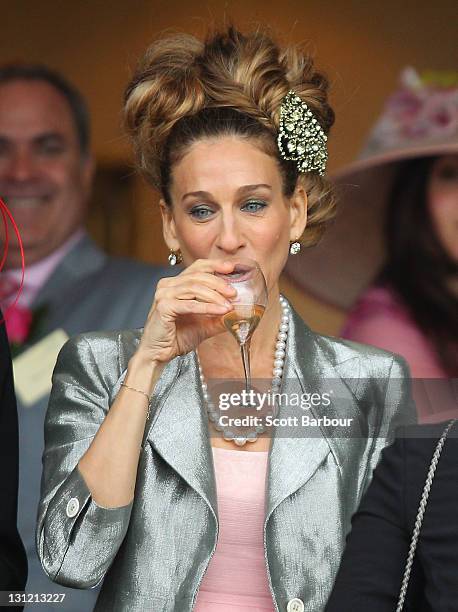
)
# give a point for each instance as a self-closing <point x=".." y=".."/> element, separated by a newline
<point x="143" y="393"/>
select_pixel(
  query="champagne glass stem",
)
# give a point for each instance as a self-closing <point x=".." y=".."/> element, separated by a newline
<point x="245" y="350"/>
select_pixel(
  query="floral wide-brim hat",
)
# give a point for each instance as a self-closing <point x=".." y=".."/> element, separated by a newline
<point x="420" y="119"/>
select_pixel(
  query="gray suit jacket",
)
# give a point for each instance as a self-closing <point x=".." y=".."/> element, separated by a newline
<point x="87" y="291"/>
<point x="153" y="552"/>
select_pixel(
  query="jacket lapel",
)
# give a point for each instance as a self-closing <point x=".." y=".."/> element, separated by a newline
<point x="179" y="433"/>
<point x="82" y="260"/>
<point x="297" y="451"/>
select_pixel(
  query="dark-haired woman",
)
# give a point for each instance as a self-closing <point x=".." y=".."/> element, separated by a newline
<point x="408" y="182"/>
<point x="411" y="307"/>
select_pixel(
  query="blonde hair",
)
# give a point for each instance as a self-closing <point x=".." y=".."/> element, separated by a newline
<point x="184" y="90"/>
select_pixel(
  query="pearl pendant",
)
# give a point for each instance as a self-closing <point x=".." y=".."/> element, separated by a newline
<point x="240" y="441"/>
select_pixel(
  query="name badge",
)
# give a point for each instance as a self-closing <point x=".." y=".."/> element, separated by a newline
<point x="34" y="367"/>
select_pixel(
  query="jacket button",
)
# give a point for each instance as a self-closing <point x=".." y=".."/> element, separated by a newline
<point x="72" y="507"/>
<point x="295" y="605"/>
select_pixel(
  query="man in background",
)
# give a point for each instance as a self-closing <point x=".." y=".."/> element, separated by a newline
<point x="70" y="285"/>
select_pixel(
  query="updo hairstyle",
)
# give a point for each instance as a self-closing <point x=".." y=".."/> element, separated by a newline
<point x="185" y="90"/>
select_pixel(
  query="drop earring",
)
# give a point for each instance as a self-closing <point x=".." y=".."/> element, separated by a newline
<point x="175" y="257"/>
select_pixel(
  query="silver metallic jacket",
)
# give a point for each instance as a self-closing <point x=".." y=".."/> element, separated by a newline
<point x="153" y="553"/>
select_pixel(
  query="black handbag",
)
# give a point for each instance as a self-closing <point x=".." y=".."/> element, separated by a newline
<point x="420" y="515"/>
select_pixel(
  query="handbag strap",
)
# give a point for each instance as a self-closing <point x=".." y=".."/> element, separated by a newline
<point x="420" y="515"/>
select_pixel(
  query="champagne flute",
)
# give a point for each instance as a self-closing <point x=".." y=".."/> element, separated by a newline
<point x="249" y="306"/>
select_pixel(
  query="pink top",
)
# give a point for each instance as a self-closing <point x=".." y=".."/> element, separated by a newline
<point x="380" y="318"/>
<point x="236" y="579"/>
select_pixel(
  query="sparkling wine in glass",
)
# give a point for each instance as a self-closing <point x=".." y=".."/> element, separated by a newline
<point x="249" y="305"/>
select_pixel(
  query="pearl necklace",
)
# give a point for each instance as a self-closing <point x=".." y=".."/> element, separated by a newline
<point x="277" y="372"/>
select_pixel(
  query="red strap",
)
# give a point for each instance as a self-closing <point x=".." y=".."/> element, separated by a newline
<point x="6" y="214"/>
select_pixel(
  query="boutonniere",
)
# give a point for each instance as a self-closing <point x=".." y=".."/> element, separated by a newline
<point x="24" y="326"/>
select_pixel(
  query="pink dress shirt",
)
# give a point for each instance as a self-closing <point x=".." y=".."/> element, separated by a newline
<point x="36" y="275"/>
<point x="381" y="318"/>
<point x="236" y="579"/>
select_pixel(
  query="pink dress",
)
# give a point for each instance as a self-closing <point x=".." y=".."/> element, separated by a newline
<point x="236" y="579"/>
<point x="381" y="318"/>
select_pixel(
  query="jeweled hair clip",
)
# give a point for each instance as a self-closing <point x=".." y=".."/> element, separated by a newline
<point x="301" y="138"/>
